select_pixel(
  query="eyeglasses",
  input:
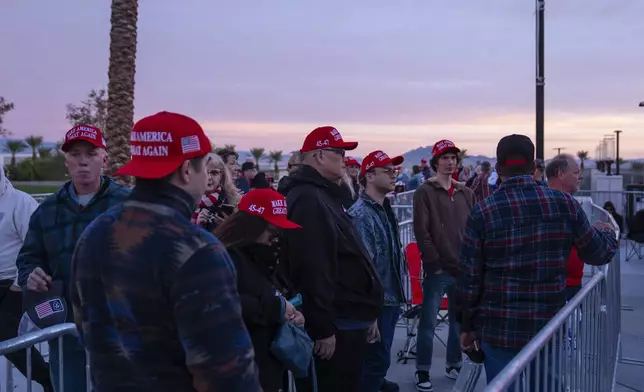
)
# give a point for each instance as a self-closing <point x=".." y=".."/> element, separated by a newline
<point x="338" y="151"/>
<point x="391" y="172"/>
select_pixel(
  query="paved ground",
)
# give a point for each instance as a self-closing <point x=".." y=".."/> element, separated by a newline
<point x="630" y="378"/>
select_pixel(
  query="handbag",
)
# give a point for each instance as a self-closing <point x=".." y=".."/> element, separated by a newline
<point x="294" y="348"/>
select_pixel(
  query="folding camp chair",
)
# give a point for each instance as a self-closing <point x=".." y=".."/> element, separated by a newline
<point x="635" y="236"/>
<point x="411" y="316"/>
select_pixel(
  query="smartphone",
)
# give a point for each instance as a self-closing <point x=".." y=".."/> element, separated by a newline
<point x="227" y="209"/>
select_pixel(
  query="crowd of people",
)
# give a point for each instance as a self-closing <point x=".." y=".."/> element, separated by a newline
<point x="186" y="281"/>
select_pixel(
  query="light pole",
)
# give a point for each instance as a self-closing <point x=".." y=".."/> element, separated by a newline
<point x="617" y="132"/>
<point x="559" y="149"/>
<point x="540" y="78"/>
<point x="608" y="152"/>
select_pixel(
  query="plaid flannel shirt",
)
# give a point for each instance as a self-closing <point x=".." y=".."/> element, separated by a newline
<point x="512" y="267"/>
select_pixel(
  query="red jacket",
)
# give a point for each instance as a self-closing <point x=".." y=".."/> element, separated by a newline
<point x="574" y="269"/>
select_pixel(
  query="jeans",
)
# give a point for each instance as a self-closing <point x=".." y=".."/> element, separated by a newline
<point x="434" y="287"/>
<point x="73" y="364"/>
<point x="10" y="314"/>
<point x="497" y="358"/>
<point x="378" y="356"/>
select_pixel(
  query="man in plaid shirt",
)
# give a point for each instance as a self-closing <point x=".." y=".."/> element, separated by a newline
<point x="512" y="264"/>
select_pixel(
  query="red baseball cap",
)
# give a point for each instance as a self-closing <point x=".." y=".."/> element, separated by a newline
<point x="443" y="146"/>
<point x="268" y="204"/>
<point x="161" y="143"/>
<point x="326" y="137"/>
<point x="86" y="133"/>
<point x="379" y="159"/>
<point x="349" y="161"/>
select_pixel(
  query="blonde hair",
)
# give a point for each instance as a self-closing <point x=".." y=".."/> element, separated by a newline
<point x="229" y="189"/>
<point x="346" y="179"/>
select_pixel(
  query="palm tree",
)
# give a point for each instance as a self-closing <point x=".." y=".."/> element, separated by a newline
<point x="13" y="147"/>
<point x="276" y="157"/>
<point x="34" y="143"/>
<point x="44" y="152"/>
<point x="230" y="147"/>
<point x="463" y="154"/>
<point x="120" y="86"/>
<point x="257" y="153"/>
<point x="582" y="155"/>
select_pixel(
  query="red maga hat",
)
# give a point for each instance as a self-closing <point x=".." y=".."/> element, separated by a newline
<point x="86" y="133"/>
<point x="326" y="137"/>
<point x="160" y="143"/>
<point x="379" y="159"/>
<point x="268" y="204"/>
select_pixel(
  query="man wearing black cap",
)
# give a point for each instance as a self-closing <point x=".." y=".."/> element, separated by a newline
<point x="249" y="172"/>
<point x="517" y="241"/>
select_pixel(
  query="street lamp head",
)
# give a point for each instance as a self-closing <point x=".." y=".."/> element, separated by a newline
<point x="642" y="104"/>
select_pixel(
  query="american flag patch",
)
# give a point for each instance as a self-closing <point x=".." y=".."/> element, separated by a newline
<point x="190" y="144"/>
<point x="48" y="308"/>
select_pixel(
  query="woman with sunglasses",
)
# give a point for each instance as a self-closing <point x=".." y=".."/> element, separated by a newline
<point x="248" y="235"/>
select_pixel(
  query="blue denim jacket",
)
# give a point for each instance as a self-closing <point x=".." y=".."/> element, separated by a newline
<point x="378" y="229"/>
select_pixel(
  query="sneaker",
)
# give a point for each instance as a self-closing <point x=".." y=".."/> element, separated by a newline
<point x="389" y="386"/>
<point x="452" y="372"/>
<point x="423" y="382"/>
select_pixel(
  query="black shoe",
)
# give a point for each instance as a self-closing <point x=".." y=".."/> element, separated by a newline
<point x="389" y="386"/>
<point x="424" y="382"/>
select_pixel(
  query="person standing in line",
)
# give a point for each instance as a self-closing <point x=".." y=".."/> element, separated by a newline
<point x="54" y="229"/>
<point x="16" y="208"/>
<point x="512" y="265"/>
<point x="327" y="263"/>
<point x="539" y="170"/>
<point x="155" y="296"/>
<point x="376" y="223"/>
<point x="481" y="186"/>
<point x="441" y="206"/>
<point x="353" y="171"/>
<point x="564" y="174"/>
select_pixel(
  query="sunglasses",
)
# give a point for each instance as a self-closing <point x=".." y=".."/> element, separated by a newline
<point x="338" y="151"/>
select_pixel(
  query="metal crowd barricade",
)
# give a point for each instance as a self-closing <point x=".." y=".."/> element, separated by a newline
<point x="28" y="341"/>
<point x="39" y="197"/>
<point x="406" y="229"/>
<point x="579" y="349"/>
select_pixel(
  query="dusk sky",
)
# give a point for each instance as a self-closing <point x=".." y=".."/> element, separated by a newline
<point x="393" y="75"/>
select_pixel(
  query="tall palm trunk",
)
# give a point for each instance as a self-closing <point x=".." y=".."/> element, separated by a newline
<point x="120" y="87"/>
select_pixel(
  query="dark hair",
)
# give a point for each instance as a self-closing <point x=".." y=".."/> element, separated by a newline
<point x="240" y="229"/>
<point x="433" y="163"/>
<point x="515" y="170"/>
<point x="415" y="169"/>
<point x="260" y="181"/>
<point x="486" y="166"/>
<point x="194" y="162"/>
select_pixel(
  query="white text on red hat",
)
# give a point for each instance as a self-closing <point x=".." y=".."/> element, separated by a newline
<point x="322" y="143"/>
<point x="279" y="207"/>
<point x="254" y="208"/>
<point x="151" y="137"/>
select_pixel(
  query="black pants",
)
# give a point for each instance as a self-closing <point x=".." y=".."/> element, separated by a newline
<point x="571" y="291"/>
<point x="343" y="372"/>
<point x="10" y="314"/>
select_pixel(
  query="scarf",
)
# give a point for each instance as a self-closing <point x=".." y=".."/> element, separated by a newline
<point x="213" y="199"/>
